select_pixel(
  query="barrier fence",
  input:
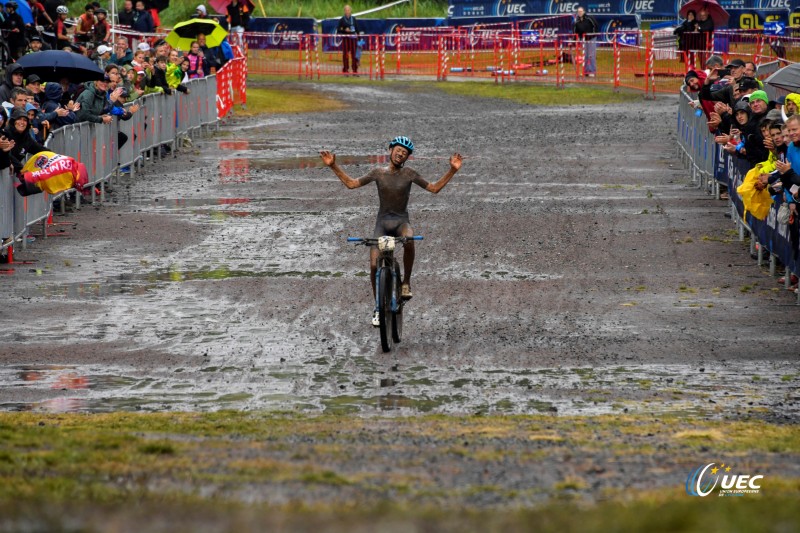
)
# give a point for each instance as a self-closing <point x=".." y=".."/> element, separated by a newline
<point x="105" y="148"/>
<point x="648" y="61"/>
<point x="711" y="167"/>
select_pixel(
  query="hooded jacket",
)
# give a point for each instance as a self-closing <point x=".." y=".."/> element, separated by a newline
<point x="93" y="103"/>
<point x="8" y="85"/>
<point x="24" y="144"/>
<point x="791" y="97"/>
<point x="53" y="94"/>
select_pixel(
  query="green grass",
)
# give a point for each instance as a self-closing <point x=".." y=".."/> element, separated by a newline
<point x="272" y="100"/>
<point x="179" y="10"/>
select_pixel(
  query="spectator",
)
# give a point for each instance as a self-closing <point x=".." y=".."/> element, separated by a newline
<point x="586" y="28"/>
<point x="18" y="130"/>
<point x="112" y="71"/>
<point x="40" y="15"/>
<point x="195" y="58"/>
<point x="62" y="38"/>
<point x="35" y="44"/>
<point x="213" y="60"/>
<point x="159" y="78"/>
<point x="751" y="134"/>
<point x="103" y="56"/>
<point x="15" y="30"/>
<point x="85" y="27"/>
<point x="5" y="144"/>
<point x="122" y="54"/>
<point x="142" y="20"/>
<point x="127" y="15"/>
<point x="34" y="85"/>
<point x="101" y="33"/>
<point x="17" y="99"/>
<point x="129" y="82"/>
<point x="176" y="72"/>
<point x="705" y="28"/>
<point x="64" y="115"/>
<point x="791" y="105"/>
<point x="238" y="18"/>
<point x="201" y="12"/>
<point x="117" y="109"/>
<point x="688" y="26"/>
<point x="348" y="27"/>
<point x="14" y="76"/>
<point x="93" y="102"/>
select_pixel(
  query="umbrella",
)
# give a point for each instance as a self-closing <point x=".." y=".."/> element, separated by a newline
<point x="184" y="33"/>
<point x="23" y="9"/>
<point x="221" y="6"/>
<point x="715" y="11"/>
<point x="52" y="65"/>
<point x="158" y="5"/>
<point x="787" y="78"/>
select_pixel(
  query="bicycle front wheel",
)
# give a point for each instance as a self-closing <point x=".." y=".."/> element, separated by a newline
<point x="385" y="307"/>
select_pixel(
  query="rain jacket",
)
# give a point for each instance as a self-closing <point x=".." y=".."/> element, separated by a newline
<point x="93" y="103"/>
<point x="7" y="86"/>
<point x="24" y="143"/>
<point x="755" y="202"/>
<point x="53" y="94"/>
<point x="792" y="97"/>
<point x="175" y="77"/>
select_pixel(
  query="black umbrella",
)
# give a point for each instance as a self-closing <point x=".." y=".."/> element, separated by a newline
<point x="52" y="65"/>
<point x="787" y="78"/>
<point x="158" y="5"/>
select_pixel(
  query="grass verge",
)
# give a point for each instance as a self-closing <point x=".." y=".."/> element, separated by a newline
<point x="270" y="100"/>
<point x="461" y="473"/>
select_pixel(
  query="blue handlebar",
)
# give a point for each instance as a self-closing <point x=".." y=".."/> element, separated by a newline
<point x="416" y="238"/>
<point x="354" y="239"/>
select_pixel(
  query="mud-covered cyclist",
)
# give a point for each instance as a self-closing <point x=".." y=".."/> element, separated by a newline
<point x="394" y="188"/>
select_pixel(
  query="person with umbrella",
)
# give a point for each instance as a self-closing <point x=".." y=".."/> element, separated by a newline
<point x="14" y="28"/>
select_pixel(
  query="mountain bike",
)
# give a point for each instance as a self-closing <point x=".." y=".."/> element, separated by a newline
<point x="388" y="301"/>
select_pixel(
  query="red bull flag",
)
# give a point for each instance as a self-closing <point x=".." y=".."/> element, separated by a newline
<point x="52" y="173"/>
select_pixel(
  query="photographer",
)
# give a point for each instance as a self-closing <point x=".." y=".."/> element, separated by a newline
<point x="348" y="27"/>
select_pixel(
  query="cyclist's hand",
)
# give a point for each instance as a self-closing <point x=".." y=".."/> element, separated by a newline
<point x="455" y="161"/>
<point x="328" y="158"/>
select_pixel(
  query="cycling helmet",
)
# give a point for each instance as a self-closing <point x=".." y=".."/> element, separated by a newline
<point x="62" y="10"/>
<point x="405" y="142"/>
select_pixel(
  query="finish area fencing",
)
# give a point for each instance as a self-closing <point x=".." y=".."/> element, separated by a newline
<point x="162" y="120"/>
<point x="710" y="167"/>
<point x="648" y="61"/>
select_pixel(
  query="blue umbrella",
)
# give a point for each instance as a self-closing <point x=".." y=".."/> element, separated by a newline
<point x="52" y="65"/>
<point x="23" y="9"/>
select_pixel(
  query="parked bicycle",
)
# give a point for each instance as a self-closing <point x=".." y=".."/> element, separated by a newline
<point x="388" y="300"/>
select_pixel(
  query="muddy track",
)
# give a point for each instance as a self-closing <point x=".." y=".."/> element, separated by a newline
<point x="570" y="267"/>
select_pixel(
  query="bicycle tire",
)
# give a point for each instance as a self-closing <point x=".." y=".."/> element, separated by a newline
<point x="397" y="319"/>
<point x="385" y="307"/>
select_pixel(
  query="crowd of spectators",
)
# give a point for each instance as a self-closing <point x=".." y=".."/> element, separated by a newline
<point x="30" y="109"/>
<point x="750" y="126"/>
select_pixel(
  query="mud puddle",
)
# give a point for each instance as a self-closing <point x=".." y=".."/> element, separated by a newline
<point x="359" y="385"/>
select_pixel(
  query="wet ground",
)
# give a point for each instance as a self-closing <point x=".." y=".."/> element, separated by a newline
<point x="569" y="268"/>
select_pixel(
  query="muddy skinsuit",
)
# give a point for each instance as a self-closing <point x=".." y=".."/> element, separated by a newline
<point x="394" y="188"/>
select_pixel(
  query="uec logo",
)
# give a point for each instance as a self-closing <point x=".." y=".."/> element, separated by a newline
<point x="774" y="4"/>
<point x="508" y="7"/>
<point x="557" y="7"/>
<point x="629" y="7"/>
<point x="696" y="485"/>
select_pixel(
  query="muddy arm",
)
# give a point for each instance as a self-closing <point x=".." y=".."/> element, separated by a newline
<point x="455" y="165"/>
<point x="330" y="160"/>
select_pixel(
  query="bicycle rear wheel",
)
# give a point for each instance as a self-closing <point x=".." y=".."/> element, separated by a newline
<point x="385" y="307"/>
<point x="397" y="319"/>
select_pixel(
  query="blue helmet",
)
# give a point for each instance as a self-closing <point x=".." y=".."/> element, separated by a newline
<point x="405" y="142"/>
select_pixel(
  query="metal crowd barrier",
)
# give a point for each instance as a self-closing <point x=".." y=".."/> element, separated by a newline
<point x="711" y="166"/>
<point x="696" y="145"/>
<point x="161" y="120"/>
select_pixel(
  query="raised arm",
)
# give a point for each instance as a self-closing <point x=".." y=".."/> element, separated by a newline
<point x="329" y="158"/>
<point x="455" y="165"/>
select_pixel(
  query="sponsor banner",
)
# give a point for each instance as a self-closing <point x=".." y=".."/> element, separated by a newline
<point x="521" y="8"/>
<point x="279" y="33"/>
<point x="388" y="27"/>
<point x="754" y="19"/>
<point x="533" y="30"/>
<point x="770" y="233"/>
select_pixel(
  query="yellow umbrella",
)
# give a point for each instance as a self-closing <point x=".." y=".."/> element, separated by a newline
<point x="184" y="33"/>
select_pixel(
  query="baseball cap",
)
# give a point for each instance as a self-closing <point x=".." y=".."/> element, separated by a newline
<point x="35" y="38"/>
<point x="103" y="49"/>
<point x="33" y="78"/>
<point x="144" y="47"/>
<point x="736" y="63"/>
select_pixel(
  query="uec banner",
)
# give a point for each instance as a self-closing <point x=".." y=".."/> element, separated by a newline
<point x="550" y="28"/>
<point x="540" y="8"/>
<point x="280" y="33"/>
<point x="394" y="30"/>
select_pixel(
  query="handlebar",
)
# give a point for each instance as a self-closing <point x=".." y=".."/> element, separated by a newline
<point x="369" y="241"/>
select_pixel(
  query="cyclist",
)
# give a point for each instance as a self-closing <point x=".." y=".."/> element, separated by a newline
<point x="394" y="188"/>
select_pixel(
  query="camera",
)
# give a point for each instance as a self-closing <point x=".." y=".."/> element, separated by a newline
<point x="724" y="72"/>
